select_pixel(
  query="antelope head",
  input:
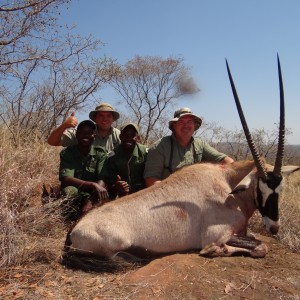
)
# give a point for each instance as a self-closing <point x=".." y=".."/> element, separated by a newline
<point x="269" y="183"/>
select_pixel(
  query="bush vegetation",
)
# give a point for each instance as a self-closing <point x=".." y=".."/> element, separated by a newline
<point x="31" y="224"/>
<point x="26" y="224"/>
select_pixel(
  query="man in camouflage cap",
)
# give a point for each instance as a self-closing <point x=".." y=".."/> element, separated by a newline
<point x="123" y="169"/>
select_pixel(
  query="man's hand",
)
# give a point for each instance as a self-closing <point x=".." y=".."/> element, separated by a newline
<point x="100" y="192"/>
<point x="122" y="187"/>
<point x="54" y="138"/>
<point x="71" y="121"/>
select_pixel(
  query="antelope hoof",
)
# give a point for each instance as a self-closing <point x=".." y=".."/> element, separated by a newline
<point x="260" y="251"/>
<point x="210" y="250"/>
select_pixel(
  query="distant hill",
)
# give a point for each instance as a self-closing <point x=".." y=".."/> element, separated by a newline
<point x="294" y="148"/>
<point x="291" y="152"/>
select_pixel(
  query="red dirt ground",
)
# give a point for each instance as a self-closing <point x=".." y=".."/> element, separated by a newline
<point x="178" y="276"/>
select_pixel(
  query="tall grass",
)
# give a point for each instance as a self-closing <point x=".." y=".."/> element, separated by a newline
<point x="289" y="210"/>
<point x="24" y="169"/>
<point x="31" y="230"/>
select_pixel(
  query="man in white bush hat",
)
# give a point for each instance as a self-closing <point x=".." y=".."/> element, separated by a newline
<point x="180" y="149"/>
<point x="106" y="135"/>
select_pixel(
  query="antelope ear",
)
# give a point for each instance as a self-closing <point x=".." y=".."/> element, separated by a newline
<point x="243" y="184"/>
<point x="286" y="170"/>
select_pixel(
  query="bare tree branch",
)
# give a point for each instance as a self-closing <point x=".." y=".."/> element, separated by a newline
<point x="149" y="86"/>
<point x="45" y="70"/>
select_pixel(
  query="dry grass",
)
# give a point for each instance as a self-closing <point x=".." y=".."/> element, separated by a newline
<point x="24" y="221"/>
<point x="31" y="231"/>
<point x="290" y="212"/>
<point x="289" y="209"/>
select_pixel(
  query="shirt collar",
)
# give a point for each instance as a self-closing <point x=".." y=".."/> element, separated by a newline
<point x="92" y="151"/>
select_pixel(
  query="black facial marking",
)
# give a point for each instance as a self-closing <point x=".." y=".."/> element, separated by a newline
<point x="270" y="209"/>
<point x="273" y="181"/>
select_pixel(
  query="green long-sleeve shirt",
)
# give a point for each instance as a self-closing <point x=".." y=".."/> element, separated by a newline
<point x="130" y="168"/>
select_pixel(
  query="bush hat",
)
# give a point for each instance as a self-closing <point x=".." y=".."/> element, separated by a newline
<point x="104" y="107"/>
<point x="135" y="126"/>
<point x="185" y="111"/>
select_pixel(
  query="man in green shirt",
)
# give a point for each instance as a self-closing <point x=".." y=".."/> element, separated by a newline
<point x="106" y="135"/>
<point x="79" y="172"/>
<point x="180" y="149"/>
<point x="124" y="167"/>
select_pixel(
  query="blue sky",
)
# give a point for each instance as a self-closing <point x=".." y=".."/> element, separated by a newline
<point x="248" y="33"/>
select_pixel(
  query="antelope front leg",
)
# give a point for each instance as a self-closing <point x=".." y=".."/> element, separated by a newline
<point x="237" y="246"/>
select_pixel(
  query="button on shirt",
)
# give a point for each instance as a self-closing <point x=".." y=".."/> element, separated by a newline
<point x="158" y="159"/>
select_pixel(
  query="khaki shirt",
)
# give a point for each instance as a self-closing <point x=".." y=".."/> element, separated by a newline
<point x="108" y="143"/>
<point x="158" y="159"/>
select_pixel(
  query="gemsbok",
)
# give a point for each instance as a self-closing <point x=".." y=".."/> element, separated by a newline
<point x="203" y="206"/>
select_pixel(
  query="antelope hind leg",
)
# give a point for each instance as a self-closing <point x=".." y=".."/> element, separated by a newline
<point x="236" y="245"/>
